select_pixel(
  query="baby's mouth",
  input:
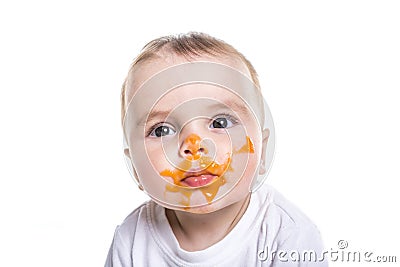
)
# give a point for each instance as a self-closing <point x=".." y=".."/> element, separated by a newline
<point x="197" y="179"/>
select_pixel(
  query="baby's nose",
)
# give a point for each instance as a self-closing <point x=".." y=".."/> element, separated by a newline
<point x="192" y="147"/>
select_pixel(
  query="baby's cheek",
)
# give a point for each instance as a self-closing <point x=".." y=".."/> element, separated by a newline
<point x="244" y="166"/>
<point x="155" y="153"/>
<point x="153" y="157"/>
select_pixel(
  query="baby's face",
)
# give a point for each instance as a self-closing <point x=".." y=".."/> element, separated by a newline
<point x="203" y="141"/>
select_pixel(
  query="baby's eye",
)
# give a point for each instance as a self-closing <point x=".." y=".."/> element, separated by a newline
<point x="162" y="131"/>
<point x="223" y="122"/>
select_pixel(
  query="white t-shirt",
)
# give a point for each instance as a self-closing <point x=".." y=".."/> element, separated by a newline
<point x="272" y="232"/>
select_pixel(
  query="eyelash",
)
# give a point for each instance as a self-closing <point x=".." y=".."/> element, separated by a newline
<point x="222" y="115"/>
<point x="155" y="126"/>
<point x="227" y="116"/>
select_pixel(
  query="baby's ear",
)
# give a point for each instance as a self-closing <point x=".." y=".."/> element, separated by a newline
<point x="132" y="167"/>
<point x="127" y="153"/>
<point x="265" y="135"/>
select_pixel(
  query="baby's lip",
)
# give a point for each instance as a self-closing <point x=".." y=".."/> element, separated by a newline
<point x="198" y="172"/>
<point x="198" y="178"/>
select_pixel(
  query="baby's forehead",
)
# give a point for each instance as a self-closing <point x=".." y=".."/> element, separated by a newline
<point x="159" y="62"/>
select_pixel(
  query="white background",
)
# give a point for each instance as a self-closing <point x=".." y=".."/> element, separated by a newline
<point x="329" y="71"/>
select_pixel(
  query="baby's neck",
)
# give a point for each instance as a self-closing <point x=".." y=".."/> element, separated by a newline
<point x="199" y="231"/>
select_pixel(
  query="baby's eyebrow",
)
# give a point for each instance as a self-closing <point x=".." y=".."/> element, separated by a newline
<point x="238" y="107"/>
<point x="153" y="115"/>
<point x="226" y="104"/>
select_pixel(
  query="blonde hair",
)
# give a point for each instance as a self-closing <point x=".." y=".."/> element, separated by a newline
<point x="189" y="45"/>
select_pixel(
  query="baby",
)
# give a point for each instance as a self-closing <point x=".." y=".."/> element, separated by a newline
<point x="197" y="139"/>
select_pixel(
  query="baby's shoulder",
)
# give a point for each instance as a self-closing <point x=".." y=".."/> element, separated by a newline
<point x="285" y="221"/>
<point x="287" y="213"/>
<point x="132" y="223"/>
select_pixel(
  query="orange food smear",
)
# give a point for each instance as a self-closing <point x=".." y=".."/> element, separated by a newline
<point x="193" y="145"/>
<point x="247" y="148"/>
<point x="186" y="192"/>
<point x="193" y="139"/>
<point x="209" y="191"/>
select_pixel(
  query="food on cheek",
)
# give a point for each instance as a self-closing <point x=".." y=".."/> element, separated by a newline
<point x="247" y="148"/>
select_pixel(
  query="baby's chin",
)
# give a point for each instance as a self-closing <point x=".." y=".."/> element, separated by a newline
<point x="203" y="209"/>
<point x="211" y="207"/>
